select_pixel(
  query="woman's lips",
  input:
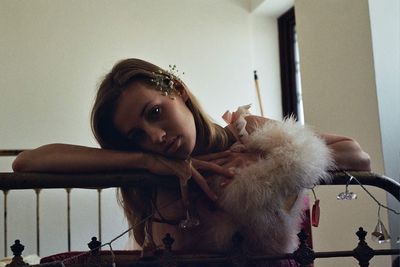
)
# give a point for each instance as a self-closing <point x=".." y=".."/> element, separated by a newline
<point x="173" y="145"/>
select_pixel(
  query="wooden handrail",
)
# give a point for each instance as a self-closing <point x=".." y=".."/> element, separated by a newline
<point x="368" y="178"/>
<point x="25" y="180"/>
<point x="31" y="180"/>
<point x="10" y="152"/>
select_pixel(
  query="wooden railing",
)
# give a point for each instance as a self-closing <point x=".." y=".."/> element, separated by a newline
<point x="13" y="181"/>
<point x="97" y="181"/>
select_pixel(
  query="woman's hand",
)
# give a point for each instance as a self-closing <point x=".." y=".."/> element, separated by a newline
<point x="230" y="160"/>
<point x="184" y="170"/>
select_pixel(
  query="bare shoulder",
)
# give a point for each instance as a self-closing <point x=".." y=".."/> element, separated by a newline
<point x="254" y="122"/>
<point x="330" y="138"/>
<point x="347" y="152"/>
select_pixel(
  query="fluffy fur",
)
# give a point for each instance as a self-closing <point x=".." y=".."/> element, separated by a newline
<point x="264" y="201"/>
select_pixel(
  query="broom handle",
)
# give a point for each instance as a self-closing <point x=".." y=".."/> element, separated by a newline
<point x="258" y="93"/>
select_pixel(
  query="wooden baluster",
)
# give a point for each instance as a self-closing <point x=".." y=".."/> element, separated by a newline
<point x="37" y="192"/>
<point x="7" y="153"/>
<point x="99" y="210"/>
<point x="167" y="258"/>
<point x="5" y="192"/>
<point x="69" y="218"/>
<point x="237" y="254"/>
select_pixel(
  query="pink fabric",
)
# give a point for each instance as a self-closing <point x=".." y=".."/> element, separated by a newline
<point x="230" y="118"/>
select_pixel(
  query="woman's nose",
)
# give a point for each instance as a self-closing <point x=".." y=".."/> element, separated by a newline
<point x="156" y="135"/>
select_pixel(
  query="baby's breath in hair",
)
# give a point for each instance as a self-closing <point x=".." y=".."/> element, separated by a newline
<point x="166" y="81"/>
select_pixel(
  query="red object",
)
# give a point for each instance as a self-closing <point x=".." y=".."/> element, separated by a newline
<point x="306" y="224"/>
<point x="315" y="213"/>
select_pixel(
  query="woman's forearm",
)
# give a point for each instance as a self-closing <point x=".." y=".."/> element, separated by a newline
<point x="347" y="153"/>
<point x="74" y="158"/>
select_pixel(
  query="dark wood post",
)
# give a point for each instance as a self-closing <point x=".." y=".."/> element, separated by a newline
<point x="17" y="260"/>
<point x="94" y="246"/>
<point x="167" y="259"/>
<point x="304" y="254"/>
<point x="363" y="253"/>
<point x="238" y="256"/>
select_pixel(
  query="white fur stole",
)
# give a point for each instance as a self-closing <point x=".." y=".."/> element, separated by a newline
<point x="264" y="201"/>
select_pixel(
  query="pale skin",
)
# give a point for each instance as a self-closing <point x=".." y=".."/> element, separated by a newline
<point x="164" y="129"/>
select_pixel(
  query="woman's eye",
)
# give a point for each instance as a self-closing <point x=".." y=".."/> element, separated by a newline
<point x="154" y="113"/>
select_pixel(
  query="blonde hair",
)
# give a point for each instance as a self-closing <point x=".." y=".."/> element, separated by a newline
<point x="122" y="75"/>
<point x="137" y="203"/>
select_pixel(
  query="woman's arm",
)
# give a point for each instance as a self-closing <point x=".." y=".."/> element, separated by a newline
<point x="347" y="153"/>
<point x="74" y="158"/>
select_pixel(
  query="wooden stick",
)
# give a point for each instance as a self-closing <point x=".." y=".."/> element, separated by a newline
<point x="258" y="93"/>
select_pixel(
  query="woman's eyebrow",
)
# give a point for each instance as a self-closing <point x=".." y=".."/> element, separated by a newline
<point x="142" y="114"/>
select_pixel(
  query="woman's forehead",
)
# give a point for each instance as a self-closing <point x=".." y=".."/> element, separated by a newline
<point x="130" y="105"/>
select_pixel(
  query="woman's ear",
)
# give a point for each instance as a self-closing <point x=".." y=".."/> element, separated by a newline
<point x="182" y="92"/>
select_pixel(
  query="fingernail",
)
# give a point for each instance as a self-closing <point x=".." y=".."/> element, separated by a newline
<point x="223" y="184"/>
<point x="232" y="170"/>
<point x="215" y="197"/>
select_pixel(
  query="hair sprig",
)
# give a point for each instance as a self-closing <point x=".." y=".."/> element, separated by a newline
<point x="166" y="81"/>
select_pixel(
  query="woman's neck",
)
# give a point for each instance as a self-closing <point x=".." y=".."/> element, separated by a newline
<point x="222" y="140"/>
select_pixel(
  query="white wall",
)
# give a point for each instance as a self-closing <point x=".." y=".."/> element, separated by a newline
<point x="59" y="49"/>
<point x="385" y="29"/>
<point x="265" y="51"/>
<point x="53" y="53"/>
<point x="339" y="94"/>
<point x="265" y="59"/>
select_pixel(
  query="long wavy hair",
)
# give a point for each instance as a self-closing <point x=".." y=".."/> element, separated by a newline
<point x="137" y="203"/>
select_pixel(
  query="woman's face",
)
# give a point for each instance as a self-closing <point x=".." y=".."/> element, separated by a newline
<point x="154" y="122"/>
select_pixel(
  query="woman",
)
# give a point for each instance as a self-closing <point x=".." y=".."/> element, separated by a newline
<point x="146" y="118"/>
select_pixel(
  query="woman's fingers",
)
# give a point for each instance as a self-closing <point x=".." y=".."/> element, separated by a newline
<point x="178" y="167"/>
<point x="186" y="169"/>
<point x="210" y="166"/>
<point x="214" y="156"/>
<point x="203" y="184"/>
<point x="221" y="161"/>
